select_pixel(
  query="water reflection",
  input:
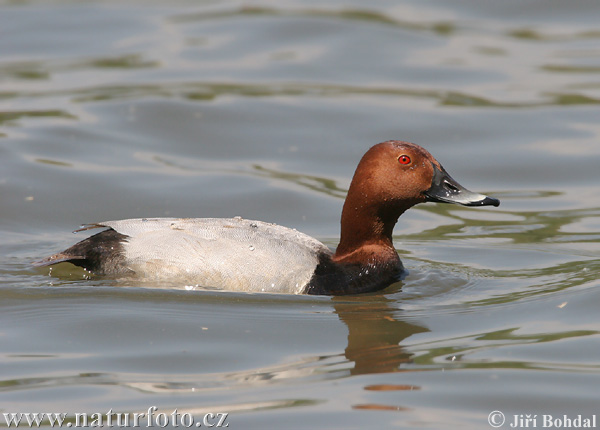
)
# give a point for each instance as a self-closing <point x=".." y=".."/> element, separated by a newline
<point x="374" y="333"/>
<point x="10" y="117"/>
<point x="443" y="28"/>
<point x="375" y="336"/>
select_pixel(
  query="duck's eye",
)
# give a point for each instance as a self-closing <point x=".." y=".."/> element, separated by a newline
<point x="404" y="159"/>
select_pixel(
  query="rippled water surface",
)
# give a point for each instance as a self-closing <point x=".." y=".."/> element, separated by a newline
<point x="128" y="109"/>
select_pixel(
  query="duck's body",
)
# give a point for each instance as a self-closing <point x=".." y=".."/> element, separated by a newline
<point x="244" y="255"/>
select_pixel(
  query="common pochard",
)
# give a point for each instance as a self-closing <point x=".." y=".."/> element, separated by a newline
<point x="245" y="255"/>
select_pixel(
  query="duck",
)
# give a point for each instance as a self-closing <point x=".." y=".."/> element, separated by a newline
<point x="238" y="254"/>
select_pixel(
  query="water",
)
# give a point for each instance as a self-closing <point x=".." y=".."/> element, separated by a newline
<point x="114" y="110"/>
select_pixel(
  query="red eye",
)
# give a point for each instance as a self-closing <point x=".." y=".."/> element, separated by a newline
<point x="404" y="159"/>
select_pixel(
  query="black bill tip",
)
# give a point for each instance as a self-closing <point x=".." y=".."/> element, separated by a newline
<point x="445" y="189"/>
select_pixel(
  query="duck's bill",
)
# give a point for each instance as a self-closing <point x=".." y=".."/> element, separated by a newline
<point x="444" y="189"/>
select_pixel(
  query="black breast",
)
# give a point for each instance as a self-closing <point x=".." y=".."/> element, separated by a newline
<point x="331" y="278"/>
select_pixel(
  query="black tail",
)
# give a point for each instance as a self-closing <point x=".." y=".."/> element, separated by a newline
<point x="101" y="254"/>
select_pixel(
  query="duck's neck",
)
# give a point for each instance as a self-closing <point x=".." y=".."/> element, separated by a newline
<point x="366" y="233"/>
<point x="365" y="260"/>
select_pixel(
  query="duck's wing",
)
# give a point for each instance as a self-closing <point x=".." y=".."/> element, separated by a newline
<point x="229" y="253"/>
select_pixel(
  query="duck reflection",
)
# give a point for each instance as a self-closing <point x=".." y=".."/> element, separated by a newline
<point x="374" y="333"/>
